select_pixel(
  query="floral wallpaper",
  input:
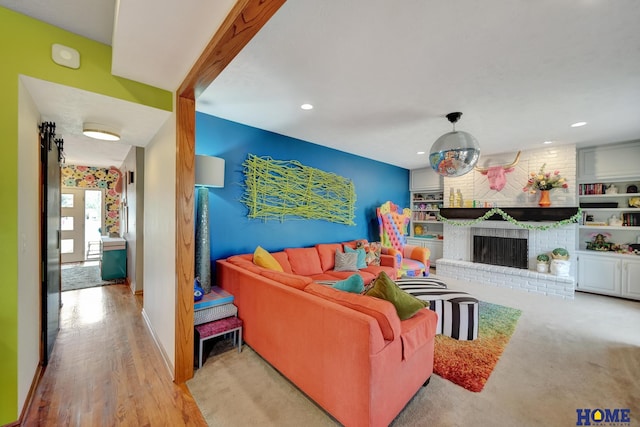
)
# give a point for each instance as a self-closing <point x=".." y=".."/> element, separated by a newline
<point x="92" y="177"/>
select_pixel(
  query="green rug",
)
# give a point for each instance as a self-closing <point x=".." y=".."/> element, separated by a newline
<point x="470" y="363"/>
<point x="81" y="277"/>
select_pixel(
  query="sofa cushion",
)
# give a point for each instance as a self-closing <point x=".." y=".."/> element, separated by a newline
<point x="375" y="270"/>
<point x="353" y="284"/>
<point x="384" y="312"/>
<point x="244" y="261"/>
<point x="406" y="304"/>
<point x="346" y="262"/>
<point x="304" y="261"/>
<point x="293" y="280"/>
<point x="373" y="251"/>
<point x="341" y="275"/>
<point x="327" y="254"/>
<point x="361" y="256"/>
<point x="264" y="259"/>
<point x="283" y="260"/>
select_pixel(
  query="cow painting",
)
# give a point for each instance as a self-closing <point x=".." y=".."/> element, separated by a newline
<point x="497" y="175"/>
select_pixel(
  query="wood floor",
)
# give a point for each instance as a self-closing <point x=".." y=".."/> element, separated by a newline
<point x="105" y="369"/>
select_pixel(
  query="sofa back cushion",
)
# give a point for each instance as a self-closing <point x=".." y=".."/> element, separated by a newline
<point x="293" y="280"/>
<point x="304" y="261"/>
<point x="283" y="260"/>
<point x="383" y="311"/>
<point x="327" y="254"/>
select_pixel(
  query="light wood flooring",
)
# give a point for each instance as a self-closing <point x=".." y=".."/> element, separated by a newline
<point x="105" y="369"/>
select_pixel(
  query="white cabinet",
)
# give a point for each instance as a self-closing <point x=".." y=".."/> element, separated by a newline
<point x="425" y="179"/>
<point x="609" y="274"/>
<point x="612" y="161"/>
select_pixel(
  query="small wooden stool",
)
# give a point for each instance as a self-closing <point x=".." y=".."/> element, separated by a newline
<point x="215" y="329"/>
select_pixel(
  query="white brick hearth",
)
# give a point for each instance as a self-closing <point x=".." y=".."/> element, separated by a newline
<point x="457" y="260"/>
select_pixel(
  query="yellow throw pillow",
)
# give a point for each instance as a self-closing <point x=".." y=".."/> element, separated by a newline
<point x="264" y="259"/>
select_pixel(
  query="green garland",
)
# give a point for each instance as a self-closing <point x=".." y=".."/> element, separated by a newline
<point x="512" y="220"/>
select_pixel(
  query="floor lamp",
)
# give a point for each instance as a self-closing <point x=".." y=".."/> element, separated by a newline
<point x="209" y="174"/>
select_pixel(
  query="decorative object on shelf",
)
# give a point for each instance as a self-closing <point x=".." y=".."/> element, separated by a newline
<point x="198" y="292"/>
<point x="497" y="175"/>
<point x="599" y="242"/>
<point x="209" y="174"/>
<point x="455" y="153"/>
<point x="280" y="189"/>
<point x="611" y="189"/>
<point x="632" y="189"/>
<point x="634" y="202"/>
<point x="545" y="200"/>
<point x="544" y="181"/>
<point x="542" y="263"/>
<point x="509" y="218"/>
<point x="614" y="221"/>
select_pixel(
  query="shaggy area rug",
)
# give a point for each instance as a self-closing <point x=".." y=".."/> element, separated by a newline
<point x="470" y="363"/>
<point x="82" y="277"/>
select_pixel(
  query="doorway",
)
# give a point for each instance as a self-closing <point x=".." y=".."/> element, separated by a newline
<point x="82" y="222"/>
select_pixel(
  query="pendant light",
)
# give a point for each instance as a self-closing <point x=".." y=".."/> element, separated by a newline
<point x="455" y="153"/>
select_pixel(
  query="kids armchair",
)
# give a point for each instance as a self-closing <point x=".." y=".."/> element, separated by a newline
<point x="413" y="260"/>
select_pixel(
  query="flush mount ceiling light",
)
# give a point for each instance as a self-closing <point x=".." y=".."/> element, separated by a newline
<point x="578" y="124"/>
<point x="99" y="131"/>
<point x="455" y="153"/>
<point x="306" y="107"/>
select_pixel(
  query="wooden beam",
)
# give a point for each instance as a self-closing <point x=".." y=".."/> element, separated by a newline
<point x="246" y="18"/>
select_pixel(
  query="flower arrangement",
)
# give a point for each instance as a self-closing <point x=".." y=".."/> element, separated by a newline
<point x="544" y="181"/>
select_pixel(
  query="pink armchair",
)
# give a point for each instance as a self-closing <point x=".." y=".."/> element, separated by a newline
<point x="413" y="260"/>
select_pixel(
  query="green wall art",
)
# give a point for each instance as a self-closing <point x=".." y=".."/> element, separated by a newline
<point x="286" y="189"/>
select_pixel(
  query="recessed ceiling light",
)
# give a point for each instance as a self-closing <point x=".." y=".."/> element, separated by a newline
<point x="420" y="152"/>
<point x="306" y="107"/>
<point x="99" y="131"/>
<point x="578" y="124"/>
<point x="548" y="142"/>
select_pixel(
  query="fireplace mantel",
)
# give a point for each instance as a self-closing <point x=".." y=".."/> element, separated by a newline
<point x="517" y="213"/>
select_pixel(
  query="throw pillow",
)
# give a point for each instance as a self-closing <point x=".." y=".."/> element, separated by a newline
<point x="361" y="256"/>
<point x="346" y="262"/>
<point x="353" y="284"/>
<point x="373" y="253"/>
<point x="406" y="304"/>
<point x="264" y="259"/>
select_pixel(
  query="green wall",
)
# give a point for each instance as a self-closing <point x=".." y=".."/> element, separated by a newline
<point x="25" y="46"/>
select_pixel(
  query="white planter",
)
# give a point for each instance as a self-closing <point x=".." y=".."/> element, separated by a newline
<point x="542" y="267"/>
<point x="560" y="267"/>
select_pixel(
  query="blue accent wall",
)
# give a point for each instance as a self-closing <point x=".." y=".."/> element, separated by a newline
<point x="233" y="233"/>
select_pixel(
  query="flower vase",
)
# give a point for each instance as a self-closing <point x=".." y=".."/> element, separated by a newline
<point x="545" y="201"/>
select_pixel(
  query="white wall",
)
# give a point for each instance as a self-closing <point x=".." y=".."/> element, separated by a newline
<point x="475" y="186"/>
<point x="135" y="221"/>
<point x="159" y="241"/>
<point x="29" y="243"/>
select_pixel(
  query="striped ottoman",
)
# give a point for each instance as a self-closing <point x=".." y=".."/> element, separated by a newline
<point x="458" y="312"/>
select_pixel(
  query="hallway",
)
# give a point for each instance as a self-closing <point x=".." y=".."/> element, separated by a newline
<point x="105" y="369"/>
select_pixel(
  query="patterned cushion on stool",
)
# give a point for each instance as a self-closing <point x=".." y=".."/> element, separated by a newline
<point x="218" y="326"/>
<point x="458" y="312"/>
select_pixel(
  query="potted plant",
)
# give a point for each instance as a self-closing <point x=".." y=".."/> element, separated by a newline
<point x="560" y="264"/>
<point x="544" y="182"/>
<point x="542" y="263"/>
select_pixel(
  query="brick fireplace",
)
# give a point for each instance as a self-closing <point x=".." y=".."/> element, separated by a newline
<point x="457" y="261"/>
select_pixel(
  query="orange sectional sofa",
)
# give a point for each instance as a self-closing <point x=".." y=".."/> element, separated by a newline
<point x="350" y="353"/>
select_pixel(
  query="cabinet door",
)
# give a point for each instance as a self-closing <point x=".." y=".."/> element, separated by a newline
<point x="631" y="279"/>
<point x="599" y="273"/>
<point x="609" y="162"/>
<point x="435" y="246"/>
<point x="425" y="179"/>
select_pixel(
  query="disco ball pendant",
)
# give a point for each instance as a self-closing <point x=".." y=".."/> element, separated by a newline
<point x="454" y="153"/>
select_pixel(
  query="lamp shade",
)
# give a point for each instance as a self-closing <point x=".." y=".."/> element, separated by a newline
<point x="209" y="171"/>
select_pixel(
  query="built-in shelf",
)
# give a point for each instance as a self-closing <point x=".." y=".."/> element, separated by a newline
<point x="610" y="227"/>
<point x="517" y="213"/>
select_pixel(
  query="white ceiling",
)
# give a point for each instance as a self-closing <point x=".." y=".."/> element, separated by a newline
<point x="383" y="76"/>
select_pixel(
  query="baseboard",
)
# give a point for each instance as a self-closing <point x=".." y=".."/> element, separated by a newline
<point x="165" y="358"/>
<point x="37" y="376"/>
<point x="139" y="292"/>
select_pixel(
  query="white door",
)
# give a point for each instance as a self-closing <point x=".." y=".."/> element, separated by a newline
<point x="72" y="225"/>
<point x="631" y="278"/>
<point x="599" y="273"/>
